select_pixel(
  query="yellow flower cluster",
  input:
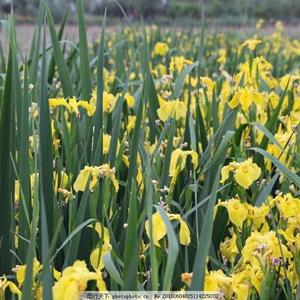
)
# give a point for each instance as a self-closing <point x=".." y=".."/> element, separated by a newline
<point x="175" y="109"/>
<point x="245" y="173"/>
<point x="159" y="229"/>
<point x="262" y="252"/>
<point x="94" y="173"/>
<point x="72" y="105"/>
<point x="164" y="132"/>
<point x="74" y="280"/>
<point x="161" y="49"/>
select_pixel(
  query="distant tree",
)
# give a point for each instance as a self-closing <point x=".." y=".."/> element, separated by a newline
<point x="165" y="4"/>
<point x="24" y="7"/>
<point x="144" y="7"/>
<point x="268" y="9"/>
<point x="58" y="7"/>
<point x="5" y="6"/>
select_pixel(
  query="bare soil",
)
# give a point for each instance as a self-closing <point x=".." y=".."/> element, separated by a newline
<point x="25" y="33"/>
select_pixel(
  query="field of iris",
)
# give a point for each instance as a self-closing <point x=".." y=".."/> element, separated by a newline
<point x="151" y="159"/>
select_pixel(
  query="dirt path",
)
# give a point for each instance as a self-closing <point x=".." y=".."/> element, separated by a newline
<point x="25" y="33"/>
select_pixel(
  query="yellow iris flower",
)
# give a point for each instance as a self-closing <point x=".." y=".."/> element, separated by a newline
<point x="6" y="284"/>
<point x="172" y="109"/>
<point x="161" y="49"/>
<point x="266" y="245"/>
<point x="235" y="286"/>
<point x="251" y="44"/>
<point x="288" y="205"/>
<point x="96" y="257"/>
<point x="95" y="172"/>
<point x="222" y="57"/>
<point x="159" y="229"/>
<point x="178" y="63"/>
<point x="246" y="97"/>
<point x="21" y="270"/>
<point x="237" y="211"/>
<point x="106" y="143"/>
<point x="179" y="157"/>
<point x="74" y="280"/>
<point x="109" y="101"/>
<point x="129" y="99"/>
<point x="229" y="247"/>
<point x="218" y="281"/>
<point x="72" y="105"/>
<point x="245" y="173"/>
